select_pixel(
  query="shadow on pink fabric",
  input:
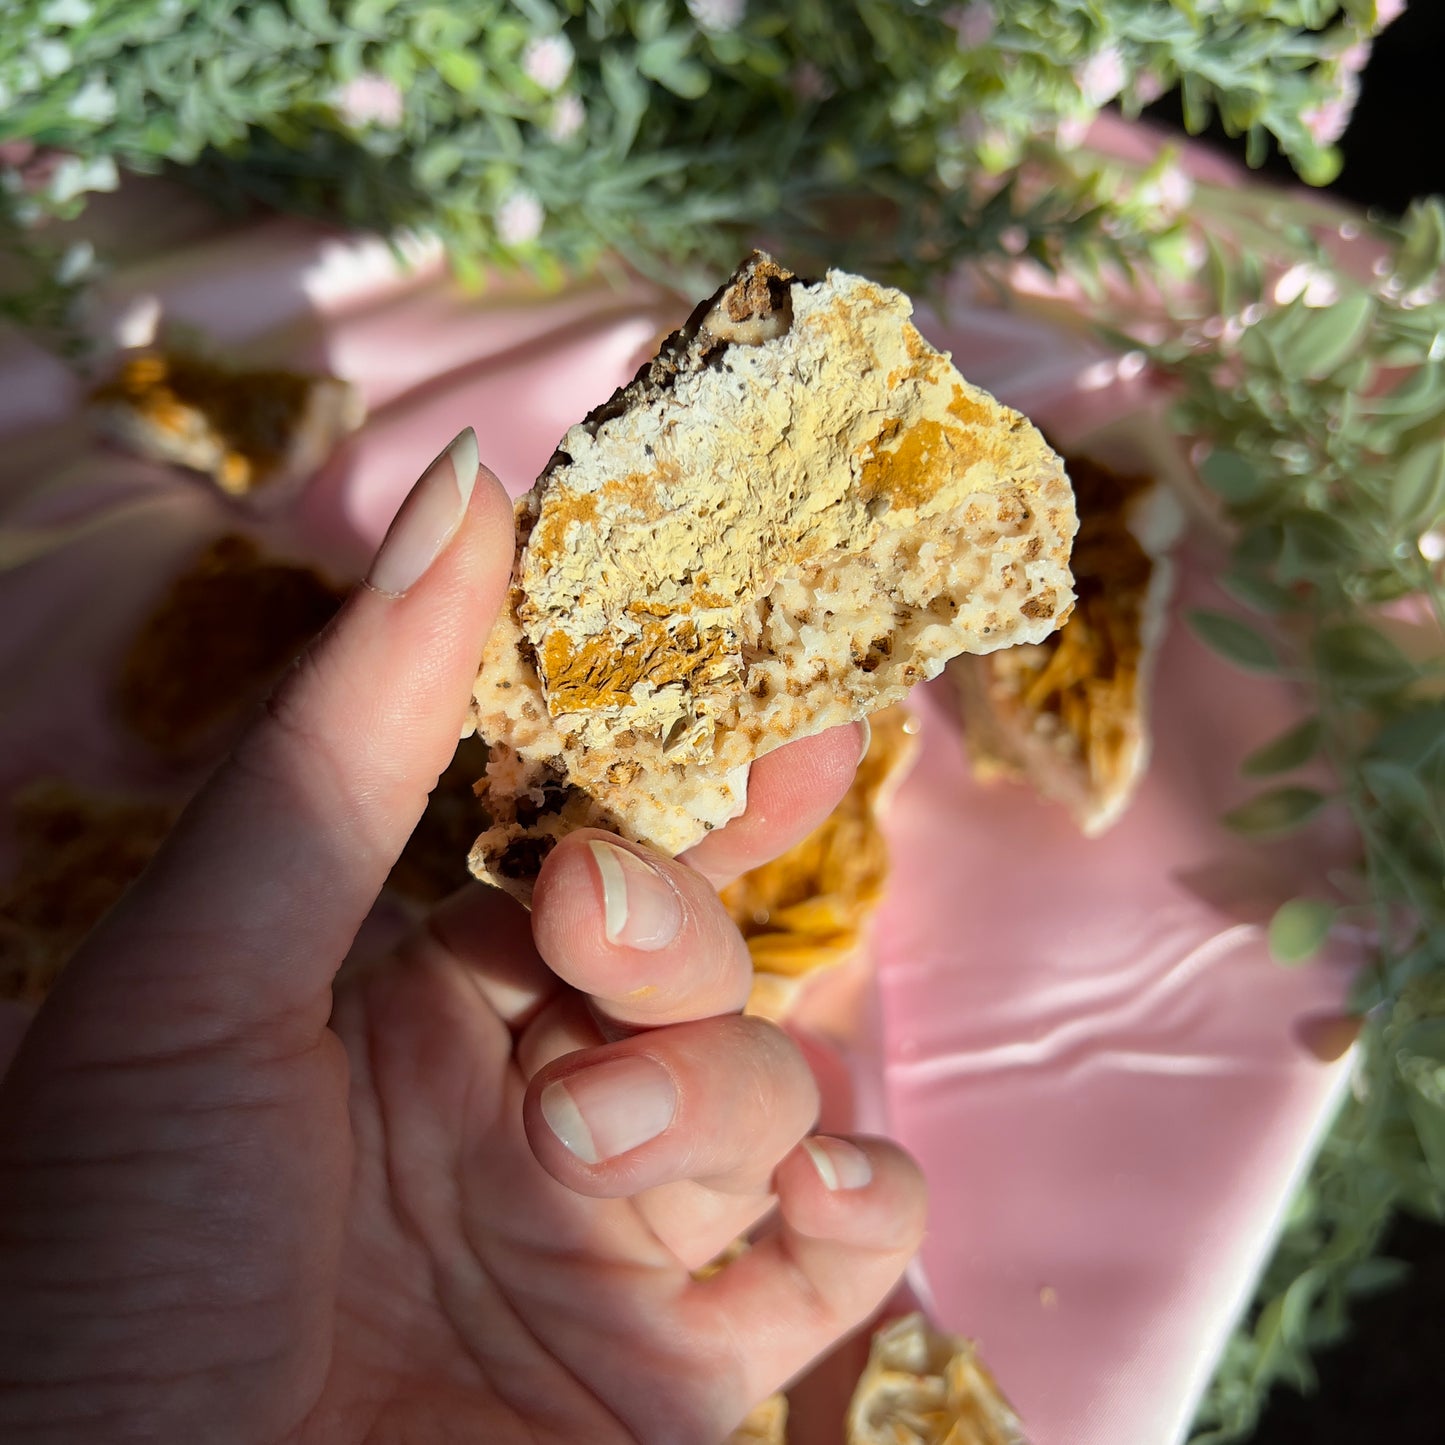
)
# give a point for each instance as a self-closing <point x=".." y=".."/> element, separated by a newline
<point x="1085" y="1043"/>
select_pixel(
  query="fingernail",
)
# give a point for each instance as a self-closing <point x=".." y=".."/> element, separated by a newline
<point x="865" y="737"/>
<point x="428" y="519"/>
<point x="640" y="908"/>
<point x="840" y="1165"/>
<point x="610" y="1109"/>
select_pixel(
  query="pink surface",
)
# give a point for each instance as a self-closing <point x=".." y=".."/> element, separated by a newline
<point x="1084" y="1043"/>
<point x="1089" y="1050"/>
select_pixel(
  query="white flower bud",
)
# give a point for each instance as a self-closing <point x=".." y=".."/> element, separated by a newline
<point x="547" y="60"/>
<point x="52" y="56"/>
<point x="94" y="102"/>
<point x="65" y="14"/>
<point x="519" y="218"/>
<point x="568" y="117"/>
<point x="719" y="16"/>
<point x="74" y="177"/>
<point x="1102" y="76"/>
<point x="370" y="99"/>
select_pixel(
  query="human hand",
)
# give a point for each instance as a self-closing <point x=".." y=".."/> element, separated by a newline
<point x="243" y="1200"/>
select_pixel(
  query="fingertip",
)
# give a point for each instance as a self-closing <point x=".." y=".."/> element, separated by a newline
<point x="590" y="1116"/>
<point x="494" y="494"/>
<point x="810" y="774"/>
<point x="839" y="1164"/>
<point x="640" y="933"/>
<point x="863" y="1192"/>
<point x="598" y="893"/>
<point x="790" y="792"/>
<point x="492" y="513"/>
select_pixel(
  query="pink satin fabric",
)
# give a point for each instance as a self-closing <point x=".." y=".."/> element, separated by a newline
<point x="1107" y="1081"/>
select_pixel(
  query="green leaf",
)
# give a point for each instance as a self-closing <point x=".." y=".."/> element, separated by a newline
<point x="1297" y="1302"/>
<point x="1288" y="751"/>
<point x="1321" y="167"/>
<point x="1279" y="1332"/>
<point x="1374" y="1276"/>
<point x="1235" y="640"/>
<point x="1259" y="546"/>
<point x="460" y="69"/>
<point x="1413" y="738"/>
<point x="437" y="163"/>
<point x="657" y="58"/>
<point x="1419" y="395"/>
<point x="1398" y="789"/>
<point x="269" y="25"/>
<point x="1259" y="594"/>
<point x="1298" y="929"/>
<point x="1324" y="338"/>
<point x="1232" y="477"/>
<point x="1315" y="548"/>
<point x="1418" y="494"/>
<point x="1420" y="1064"/>
<point x="1423" y="253"/>
<point x="1279" y="810"/>
<point x="651" y="19"/>
<point x="628" y="97"/>
<point x="1428" y="1117"/>
<point x="316" y="16"/>
<point x="687" y="79"/>
<point x="1357" y="657"/>
<point x="368" y="17"/>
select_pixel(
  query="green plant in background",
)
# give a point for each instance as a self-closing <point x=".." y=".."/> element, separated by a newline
<point x="549" y="132"/>
<point x="1319" y="387"/>
<point x="900" y="137"/>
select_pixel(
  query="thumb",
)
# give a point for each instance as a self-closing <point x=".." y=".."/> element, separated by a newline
<point x="251" y="904"/>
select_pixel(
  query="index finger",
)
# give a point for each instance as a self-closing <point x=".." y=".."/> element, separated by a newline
<point x="646" y="937"/>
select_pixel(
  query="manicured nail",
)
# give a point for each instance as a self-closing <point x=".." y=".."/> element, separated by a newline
<point x="865" y="737"/>
<point x="840" y="1165"/>
<point x="607" y="1110"/>
<point x="640" y="908"/>
<point x="428" y="519"/>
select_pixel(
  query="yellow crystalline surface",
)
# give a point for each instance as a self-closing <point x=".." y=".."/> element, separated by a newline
<point x="922" y="1387"/>
<point x="797" y="513"/>
<point x="809" y="908"/>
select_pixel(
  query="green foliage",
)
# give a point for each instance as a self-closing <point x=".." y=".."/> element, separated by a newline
<point x="1290" y="750"/>
<point x="1321" y="396"/>
<point x="1299" y="928"/>
<point x="1242" y="644"/>
<point x="1275" y="811"/>
<point x="895" y="138"/>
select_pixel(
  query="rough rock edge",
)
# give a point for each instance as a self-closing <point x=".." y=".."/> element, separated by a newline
<point x="928" y="1388"/>
<point x="1003" y="744"/>
<point x="320" y="412"/>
